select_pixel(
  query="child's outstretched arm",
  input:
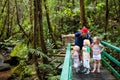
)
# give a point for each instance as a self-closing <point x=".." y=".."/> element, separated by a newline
<point x="68" y="36"/>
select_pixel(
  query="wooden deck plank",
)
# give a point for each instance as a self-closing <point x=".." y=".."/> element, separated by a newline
<point x="104" y="75"/>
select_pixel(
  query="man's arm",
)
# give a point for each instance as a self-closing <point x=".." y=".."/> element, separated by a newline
<point x="68" y="36"/>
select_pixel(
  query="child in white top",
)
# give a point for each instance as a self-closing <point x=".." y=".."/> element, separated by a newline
<point x="86" y="56"/>
<point x="76" y="58"/>
<point x="97" y="48"/>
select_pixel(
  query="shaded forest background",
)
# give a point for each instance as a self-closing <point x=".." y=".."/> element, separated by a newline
<point x="33" y="28"/>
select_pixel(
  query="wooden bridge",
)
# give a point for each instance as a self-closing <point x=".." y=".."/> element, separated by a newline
<point x="108" y="72"/>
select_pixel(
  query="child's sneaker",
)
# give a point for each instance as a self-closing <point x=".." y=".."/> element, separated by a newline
<point x="87" y="72"/>
<point x="76" y="70"/>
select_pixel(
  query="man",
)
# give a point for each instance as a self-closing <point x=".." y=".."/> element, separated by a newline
<point x="79" y="37"/>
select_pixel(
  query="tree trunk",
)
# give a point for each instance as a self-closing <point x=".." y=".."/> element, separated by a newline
<point x="68" y="0"/>
<point x="119" y="11"/>
<point x="39" y="26"/>
<point x="49" y="25"/>
<point x="61" y="24"/>
<point x="73" y="3"/>
<point x="3" y="28"/>
<point x="8" y="21"/>
<point x="17" y="14"/>
<point x="4" y="21"/>
<point x="31" y="16"/>
<point x="106" y="18"/>
<point x="31" y="22"/>
<point x="3" y="7"/>
<point x="82" y="14"/>
<point x="42" y="41"/>
<point x="35" y="37"/>
<point x="35" y="23"/>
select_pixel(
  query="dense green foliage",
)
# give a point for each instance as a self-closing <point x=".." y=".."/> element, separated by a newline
<point x="64" y="17"/>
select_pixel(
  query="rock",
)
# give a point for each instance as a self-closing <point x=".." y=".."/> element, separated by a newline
<point x="3" y="66"/>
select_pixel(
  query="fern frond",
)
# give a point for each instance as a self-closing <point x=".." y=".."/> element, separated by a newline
<point x="38" y="53"/>
<point x="20" y="51"/>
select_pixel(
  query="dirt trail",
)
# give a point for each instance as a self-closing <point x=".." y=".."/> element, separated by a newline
<point x="4" y="75"/>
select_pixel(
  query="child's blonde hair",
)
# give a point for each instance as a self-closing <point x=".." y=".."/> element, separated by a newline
<point x="86" y="42"/>
<point x="76" y="48"/>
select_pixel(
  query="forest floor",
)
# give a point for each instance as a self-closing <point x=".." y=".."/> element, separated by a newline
<point x="4" y="75"/>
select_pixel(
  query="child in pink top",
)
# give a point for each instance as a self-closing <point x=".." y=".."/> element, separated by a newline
<point x="76" y="58"/>
<point x="97" y="48"/>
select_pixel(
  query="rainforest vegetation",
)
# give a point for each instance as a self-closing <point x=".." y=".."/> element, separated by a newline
<point x="30" y="32"/>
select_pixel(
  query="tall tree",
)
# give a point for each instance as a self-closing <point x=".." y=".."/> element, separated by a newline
<point x="35" y="57"/>
<point x="4" y="21"/>
<point x="42" y="41"/>
<point x="3" y="7"/>
<point x="106" y="18"/>
<point x="39" y="35"/>
<point x="68" y="0"/>
<point x="17" y="14"/>
<point x="8" y="20"/>
<point x="82" y="14"/>
<point x="31" y="13"/>
<point x="49" y="24"/>
<point x="119" y="10"/>
<point x="73" y="3"/>
<point x="31" y="21"/>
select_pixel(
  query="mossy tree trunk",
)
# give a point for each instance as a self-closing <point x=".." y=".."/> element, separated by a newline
<point x="18" y="21"/>
<point x="106" y="19"/>
<point x="49" y="24"/>
<point x="73" y="3"/>
<point x="39" y="35"/>
<point x="35" y="36"/>
<point x="82" y="14"/>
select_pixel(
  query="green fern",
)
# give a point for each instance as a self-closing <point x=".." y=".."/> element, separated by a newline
<point x="20" y="51"/>
<point x="38" y="53"/>
<point x="52" y="77"/>
<point x="23" y="69"/>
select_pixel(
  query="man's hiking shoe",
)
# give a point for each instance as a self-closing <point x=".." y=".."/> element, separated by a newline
<point x="84" y="71"/>
<point x="87" y="72"/>
<point x="77" y="70"/>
